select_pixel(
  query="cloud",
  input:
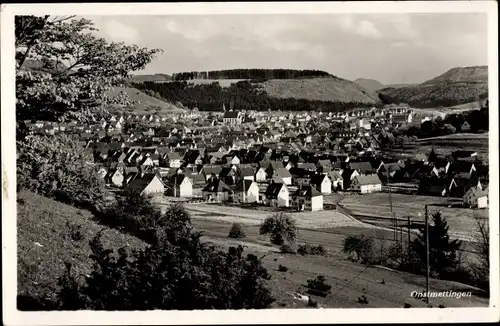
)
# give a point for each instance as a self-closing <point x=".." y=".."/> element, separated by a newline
<point x="195" y="30"/>
<point x="402" y="25"/>
<point x="363" y="28"/>
<point x="118" y="31"/>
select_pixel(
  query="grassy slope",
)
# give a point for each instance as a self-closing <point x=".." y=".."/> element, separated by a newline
<point x="148" y="104"/>
<point x="42" y="221"/>
<point x="324" y="89"/>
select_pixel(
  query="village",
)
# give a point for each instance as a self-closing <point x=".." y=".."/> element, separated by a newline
<point x="284" y="161"/>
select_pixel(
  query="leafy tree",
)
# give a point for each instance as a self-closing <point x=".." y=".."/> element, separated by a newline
<point x="184" y="276"/>
<point x="443" y="256"/>
<point x="448" y="129"/>
<point x="280" y="227"/>
<point x="359" y="245"/>
<point x="64" y="70"/>
<point x="481" y="245"/>
<point x="57" y="167"/>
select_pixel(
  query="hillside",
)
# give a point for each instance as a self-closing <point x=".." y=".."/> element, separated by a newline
<point x="153" y="78"/>
<point x="144" y="103"/>
<point x="369" y="84"/>
<point x="318" y="89"/>
<point x="455" y="87"/>
<point x="45" y="243"/>
<point x="460" y="75"/>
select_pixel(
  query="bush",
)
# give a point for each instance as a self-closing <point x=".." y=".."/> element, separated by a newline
<point x="359" y="245"/>
<point x="236" y="231"/>
<point x="280" y="227"/>
<point x="177" y="271"/>
<point x="56" y="167"/>
<point x="74" y="231"/>
<point x="318" y="286"/>
<point x="307" y="249"/>
<point x="287" y="249"/>
<point x="282" y="268"/>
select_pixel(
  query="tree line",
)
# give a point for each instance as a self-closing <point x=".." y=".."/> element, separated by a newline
<point x="250" y="74"/>
<point x="244" y="94"/>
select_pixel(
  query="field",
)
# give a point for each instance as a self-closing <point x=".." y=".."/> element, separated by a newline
<point x="365" y="207"/>
<point x="445" y="145"/>
<point x="145" y="104"/>
<point x="44" y="245"/>
<point x="348" y="280"/>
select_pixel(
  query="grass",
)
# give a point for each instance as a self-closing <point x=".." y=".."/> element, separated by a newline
<point x="145" y="104"/>
<point x="349" y="280"/>
<point x="44" y="244"/>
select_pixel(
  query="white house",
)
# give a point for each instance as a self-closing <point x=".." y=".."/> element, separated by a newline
<point x="232" y="118"/>
<point x="336" y="179"/>
<point x="282" y="174"/>
<point x="475" y="198"/>
<point x="115" y="177"/>
<point x="173" y="160"/>
<point x="322" y="183"/>
<point x="246" y="191"/>
<point x="181" y="186"/>
<point x="277" y="195"/>
<point x="366" y="183"/>
<point x="307" y="198"/>
<point x="261" y="175"/>
<point x="148" y="184"/>
<point x="216" y="190"/>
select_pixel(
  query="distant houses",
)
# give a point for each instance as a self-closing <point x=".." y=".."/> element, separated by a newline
<point x="148" y="184"/>
<point x="475" y="198"/>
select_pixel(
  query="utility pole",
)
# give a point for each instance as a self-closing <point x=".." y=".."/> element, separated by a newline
<point x="427" y="255"/>
<point x="243" y="190"/>
<point x="394" y="224"/>
<point x="409" y="240"/>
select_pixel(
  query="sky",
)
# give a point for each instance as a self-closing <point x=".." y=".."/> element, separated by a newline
<point x="391" y="48"/>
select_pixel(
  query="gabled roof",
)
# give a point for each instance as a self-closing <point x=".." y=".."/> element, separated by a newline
<point x="283" y="173"/>
<point x="231" y="114"/>
<point x="360" y="166"/>
<point x="173" y="156"/>
<point x="239" y="187"/>
<point x="216" y="185"/>
<point x="317" y="179"/>
<point x="369" y="179"/>
<point x="142" y="182"/>
<point x="307" y="192"/>
<point x="273" y="189"/>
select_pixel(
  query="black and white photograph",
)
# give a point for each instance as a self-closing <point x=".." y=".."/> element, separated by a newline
<point x="179" y="157"/>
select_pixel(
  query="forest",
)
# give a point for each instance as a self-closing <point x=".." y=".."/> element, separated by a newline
<point x="244" y="94"/>
<point x="258" y="74"/>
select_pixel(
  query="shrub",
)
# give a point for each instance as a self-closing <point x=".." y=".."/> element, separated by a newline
<point x="307" y="249"/>
<point x="236" y="231"/>
<point x="287" y="249"/>
<point x="280" y="227"/>
<point x="359" y="245"/>
<point x="74" y="231"/>
<point x="177" y="271"/>
<point x="318" y="286"/>
<point x="282" y="268"/>
<point x="56" y="167"/>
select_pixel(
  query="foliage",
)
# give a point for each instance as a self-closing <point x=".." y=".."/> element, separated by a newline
<point x="57" y="167"/>
<point x="282" y="268"/>
<point x="236" y="231"/>
<point x="443" y="256"/>
<point x="184" y="276"/>
<point x="287" y="249"/>
<point x="64" y="69"/>
<point x="250" y="74"/>
<point x="359" y="245"/>
<point x="428" y="96"/>
<point x="281" y="227"/>
<point x="481" y="245"/>
<point x="244" y="94"/>
<point x="318" y="286"/>
<point x="307" y="249"/>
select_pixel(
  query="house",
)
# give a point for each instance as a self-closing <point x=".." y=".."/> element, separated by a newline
<point x="366" y="183"/>
<point x="475" y="198"/>
<point x="307" y="198"/>
<point x="173" y="160"/>
<point x="115" y="177"/>
<point x="322" y="183"/>
<point x="216" y="190"/>
<point x="246" y="173"/>
<point x="277" y="195"/>
<point x="246" y="191"/>
<point x="180" y="186"/>
<point x="435" y="186"/>
<point x="282" y="175"/>
<point x="147" y="184"/>
<point x="465" y="127"/>
<point x="232" y="118"/>
<point x="261" y="175"/>
<point x="336" y="180"/>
